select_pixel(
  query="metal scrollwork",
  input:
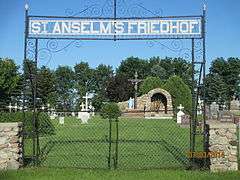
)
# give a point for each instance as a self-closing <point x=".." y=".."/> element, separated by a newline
<point x="52" y="46"/>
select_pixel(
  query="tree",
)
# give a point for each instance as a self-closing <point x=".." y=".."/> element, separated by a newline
<point x="9" y="79"/>
<point x="119" y="89"/>
<point x="158" y="71"/>
<point x="150" y="83"/>
<point x="180" y="92"/>
<point x="228" y="70"/>
<point x="84" y="77"/>
<point x="110" y="111"/>
<point x="46" y="85"/>
<point x="216" y="89"/>
<point x="129" y="66"/>
<point x="167" y="67"/>
<point x="65" y="87"/>
<point x="102" y="74"/>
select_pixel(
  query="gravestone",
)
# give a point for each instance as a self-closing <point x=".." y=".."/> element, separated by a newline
<point x="84" y="116"/>
<point x="52" y="117"/>
<point x="234" y="105"/>
<point x="199" y="107"/>
<point x="61" y="120"/>
<point x="180" y="114"/>
<point x="214" y="110"/>
<point x="226" y="116"/>
<point x="185" y="119"/>
<point x="73" y="114"/>
<point x="10" y="107"/>
<point x="93" y="111"/>
<point x="82" y="107"/>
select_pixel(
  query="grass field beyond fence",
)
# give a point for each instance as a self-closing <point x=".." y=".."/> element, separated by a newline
<point x="142" y="144"/>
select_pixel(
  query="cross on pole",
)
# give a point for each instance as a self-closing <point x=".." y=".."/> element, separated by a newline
<point x="135" y="81"/>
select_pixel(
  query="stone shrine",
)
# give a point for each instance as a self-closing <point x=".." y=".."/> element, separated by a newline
<point x="157" y="103"/>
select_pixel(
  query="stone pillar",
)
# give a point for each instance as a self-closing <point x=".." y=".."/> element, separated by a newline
<point x="223" y="138"/>
<point x="10" y="145"/>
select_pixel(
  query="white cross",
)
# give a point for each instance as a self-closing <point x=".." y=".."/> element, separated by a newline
<point x="86" y="97"/>
<point x="15" y="107"/>
<point x="180" y="107"/>
<point x="82" y="106"/>
<point x="10" y="107"/>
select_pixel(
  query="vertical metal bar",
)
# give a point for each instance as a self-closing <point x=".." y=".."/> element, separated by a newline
<point x="34" y="100"/>
<point x="205" y="133"/>
<point x="114" y="15"/>
<point x="36" y="118"/>
<point x="109" y="144"/>
<point x="24" y="85"/>
<point x="192" y="134"/>
<point x="116" y="147"/>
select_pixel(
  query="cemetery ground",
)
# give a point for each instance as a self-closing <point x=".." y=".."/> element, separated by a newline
<point x="142" y="144"/>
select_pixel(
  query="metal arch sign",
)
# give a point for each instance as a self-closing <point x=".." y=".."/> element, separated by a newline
<point x="190" y="27"/>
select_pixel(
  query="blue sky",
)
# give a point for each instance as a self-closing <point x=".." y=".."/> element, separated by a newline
<point x="223" y="27"/>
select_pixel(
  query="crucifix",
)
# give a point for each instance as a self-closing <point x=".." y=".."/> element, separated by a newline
<point x="135" y="81"/>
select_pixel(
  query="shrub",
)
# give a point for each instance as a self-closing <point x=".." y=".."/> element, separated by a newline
<point x="45" y="125"/>
<point x="180" y="92"/>
<point x="110" y="111"/>
<point x="150" y="83"/>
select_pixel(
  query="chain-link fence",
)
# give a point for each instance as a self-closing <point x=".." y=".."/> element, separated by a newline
<point x="126" y="143"/>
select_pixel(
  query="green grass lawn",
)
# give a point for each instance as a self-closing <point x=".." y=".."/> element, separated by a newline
<point x="74" y="174"/>
<point x="143" y="144"/>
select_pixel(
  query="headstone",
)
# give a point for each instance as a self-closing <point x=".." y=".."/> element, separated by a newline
<point x="84" y="116"/>
<point x="73" y="114"/>
<point x="185" y="119"/>
<point x="226" y="116"/>
<point x="82" y="107"/>
<point x="15" y="107"/>
<point x="234" y="105"/>
<point x="10" y="107"/>
<point x="214" y="110"/>
<point x="52" y="117"/>
<point x="93" y="111"/>
<point x="208" y="113"/>
<point x="199" y="107"/>
<point x="61" y="120"/>
<point x="180" y="114"/>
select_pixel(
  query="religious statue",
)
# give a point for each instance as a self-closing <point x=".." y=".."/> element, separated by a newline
<point x="131" y="103"/>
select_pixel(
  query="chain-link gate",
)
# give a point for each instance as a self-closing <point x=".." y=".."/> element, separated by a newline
<point x="109" y="144"/>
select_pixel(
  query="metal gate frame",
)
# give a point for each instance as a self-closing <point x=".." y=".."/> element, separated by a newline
<point x="196" y="89"/>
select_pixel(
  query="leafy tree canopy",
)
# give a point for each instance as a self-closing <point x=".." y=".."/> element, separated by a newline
<point x="180" y="92"/>
<point x="150" y="83"/>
